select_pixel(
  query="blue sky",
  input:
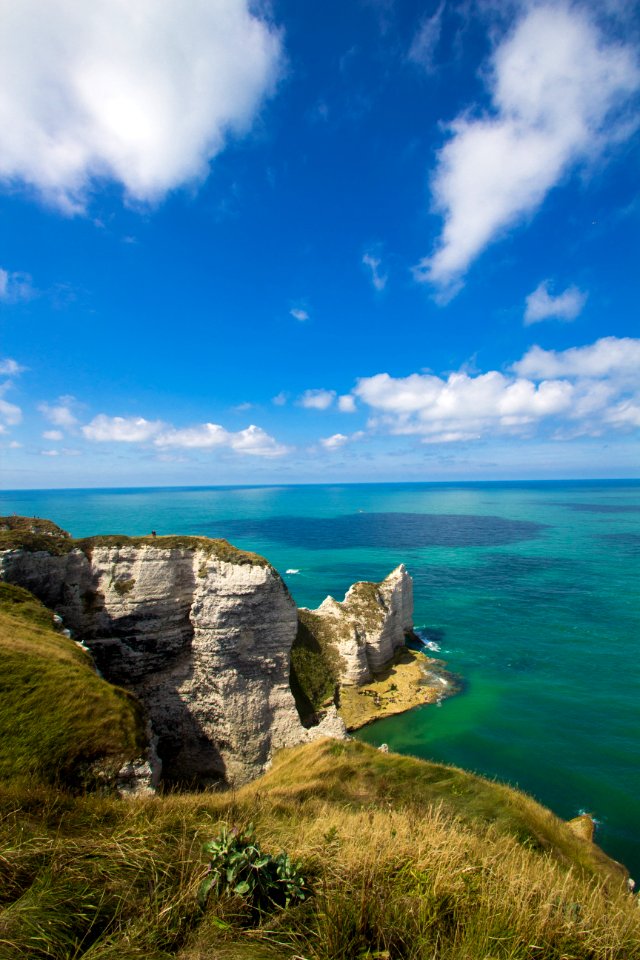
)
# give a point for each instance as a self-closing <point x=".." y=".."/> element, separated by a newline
<point x="291" y="242"/>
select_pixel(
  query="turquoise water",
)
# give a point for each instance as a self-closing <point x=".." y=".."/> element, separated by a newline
<point x="529" y="589"/>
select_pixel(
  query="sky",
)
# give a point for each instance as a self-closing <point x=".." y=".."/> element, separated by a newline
<point x="330" y="241"/>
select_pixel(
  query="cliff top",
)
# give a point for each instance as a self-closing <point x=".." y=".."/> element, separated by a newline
<point x="33" y="535"/>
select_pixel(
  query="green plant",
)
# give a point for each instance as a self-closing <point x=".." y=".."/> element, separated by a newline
<point x="239" y="866"/>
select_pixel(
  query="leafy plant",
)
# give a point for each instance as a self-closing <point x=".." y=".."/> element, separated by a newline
<point x="239" y="866"/>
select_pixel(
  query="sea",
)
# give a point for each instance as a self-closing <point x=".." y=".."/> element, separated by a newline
<point x="528" y="590"/>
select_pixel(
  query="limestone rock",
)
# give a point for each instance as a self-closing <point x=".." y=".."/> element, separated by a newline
<point x="200" y="632"/>
<point x="372" y="621"/>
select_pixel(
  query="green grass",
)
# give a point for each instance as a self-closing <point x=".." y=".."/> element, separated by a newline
<point x="58" y="719"/>
<point x="406" y="860"/>
<point x="34" y="535"/>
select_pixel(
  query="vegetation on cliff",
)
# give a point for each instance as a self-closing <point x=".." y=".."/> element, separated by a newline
<point x="34" y="535"/>
<point x="59" y="721"/>
<point x="315" y="664"/>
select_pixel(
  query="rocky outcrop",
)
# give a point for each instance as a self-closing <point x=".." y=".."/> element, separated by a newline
<point x="368" y="626"/>
<point x="201" y="633"/>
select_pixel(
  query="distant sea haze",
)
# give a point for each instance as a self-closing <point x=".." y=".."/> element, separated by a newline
<point x="529" y="589"/>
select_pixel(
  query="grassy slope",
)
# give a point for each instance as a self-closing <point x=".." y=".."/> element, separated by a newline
<point x="56" y="715"/>
<point x="422" y="861"/>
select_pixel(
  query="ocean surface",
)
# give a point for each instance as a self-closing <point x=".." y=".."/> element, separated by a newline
<point x="530" y="591"/>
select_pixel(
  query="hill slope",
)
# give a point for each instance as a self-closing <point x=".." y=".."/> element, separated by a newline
<point x="59" y="721"/>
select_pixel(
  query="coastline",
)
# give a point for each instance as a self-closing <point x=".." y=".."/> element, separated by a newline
<point x="411" y="680"/>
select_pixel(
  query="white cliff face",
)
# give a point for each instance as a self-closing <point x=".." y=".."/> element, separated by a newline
<point x="203" y="640"/>
<point x="368" y="626"/>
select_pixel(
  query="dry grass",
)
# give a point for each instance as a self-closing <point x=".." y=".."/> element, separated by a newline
<point x="407" y="860"/>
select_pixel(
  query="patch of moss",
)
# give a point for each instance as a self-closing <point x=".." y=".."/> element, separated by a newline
<point x="122" y="587"/>
<point x="365" y="602"/>
<point x="35" y="535"/>
<point x="217" y="549"/>
<point x="58" y="719"/>
<point x="35" y="542"/>
<point x="315" y="665"/>
<point x="35" y="525"/>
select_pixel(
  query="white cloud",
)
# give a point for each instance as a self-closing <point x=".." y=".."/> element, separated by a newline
<point x="424" y="44"/>
<point x="298" y="314"/>
<point x="592" y="388"/>
<point x="50" y="453"/>
<point x="59" y="414"/>
<point x="253" y="440"/>
<point x="335" y="442"/>
<point x="104" y="429"/>
<point x="346" y="404"/>
<point x="317" y="399"/>
<point x="543" y="305"/>
<point x="558" y="88"/>
<point x="608" y="357"/>
<point x="280" y="399"/>
<point x="143" y="93"/>
<point x="10" y="413"/>
<point x="15" y="286"/>
<point x="53" y="435"/>
<point x="378" y="277"/>
<point x="10" y="368"/>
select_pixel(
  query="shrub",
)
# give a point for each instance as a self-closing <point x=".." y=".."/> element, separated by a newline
<point x="239" y="866"/>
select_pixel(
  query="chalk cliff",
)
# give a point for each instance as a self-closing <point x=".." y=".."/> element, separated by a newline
<point x="200" y="631"/>
<point x="367" y="627"/>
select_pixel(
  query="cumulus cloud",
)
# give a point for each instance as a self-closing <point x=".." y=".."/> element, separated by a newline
<point x="280" y="399"/>
<point x="558" y="89"/>
<point x="592" y="388"/>
<point x="346" y="404"/>
<point x="378" y="277"/>
<point x="53" y="435"/>
<point x="298" y="314"/>
<point x="11" y="368"/>
<point x="60" y="414"/>
<point x="142" y="93"/>
<point x="317" y="399"/>
<point x="104" y="429"/>
<point x="10" y="413"/>
<point x="335" y="442"/>
<point x="607" y="357"/>
<point x="15" y="286"/>
<point x="543" y="305"/>
<point x="338" y="440"/>
<point x="253" y="440"/>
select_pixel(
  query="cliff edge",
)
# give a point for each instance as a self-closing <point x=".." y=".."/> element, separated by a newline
<point x="201" y="632"/>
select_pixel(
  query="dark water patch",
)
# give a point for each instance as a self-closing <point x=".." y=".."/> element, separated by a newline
<point x="402" y="531"/>
<point x="600" y="507"/>
<point x="501" y="573"/>
<point x="628" y="542"/>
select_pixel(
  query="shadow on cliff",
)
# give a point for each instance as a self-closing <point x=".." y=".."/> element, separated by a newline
<point x="155" y="668"/>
